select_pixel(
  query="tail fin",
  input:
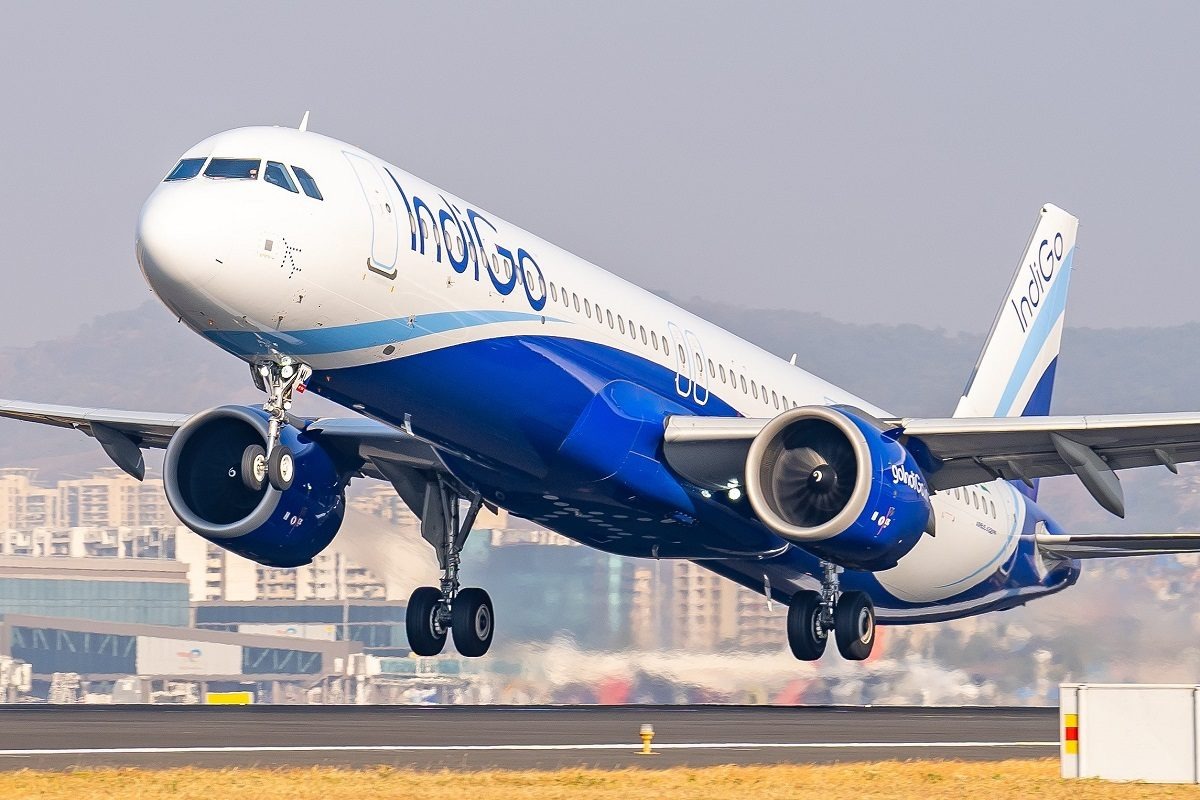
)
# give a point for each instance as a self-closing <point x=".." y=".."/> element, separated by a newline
<point x="1014" y="376"/>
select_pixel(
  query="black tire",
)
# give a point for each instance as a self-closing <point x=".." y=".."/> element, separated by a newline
<point x="425" y="637"/>
<point x="281" y="467"/>
<point x="806" y="636"/>
<point x="473" y="622"/>
<point x="254" y="467"/>
<point x="854" y="625"/>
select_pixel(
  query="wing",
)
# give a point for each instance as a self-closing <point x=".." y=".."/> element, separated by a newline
<point x="954" y="452"/>
<point x="373" y="449"/>
<point x="971" y="450"/>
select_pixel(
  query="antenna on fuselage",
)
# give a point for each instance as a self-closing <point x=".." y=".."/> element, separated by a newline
<point x="304" y="122"/>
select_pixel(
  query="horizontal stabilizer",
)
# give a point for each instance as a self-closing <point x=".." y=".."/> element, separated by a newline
<point x="1114" y="545"/>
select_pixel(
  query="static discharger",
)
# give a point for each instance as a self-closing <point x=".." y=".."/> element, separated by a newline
<point x="647" y="734"/>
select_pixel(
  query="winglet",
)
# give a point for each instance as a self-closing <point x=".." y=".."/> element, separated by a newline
<point x="304" y="122"/>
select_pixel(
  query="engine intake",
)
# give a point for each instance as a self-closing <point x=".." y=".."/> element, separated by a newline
<point x="204" y="486"/>
<point x="827" y="478"/>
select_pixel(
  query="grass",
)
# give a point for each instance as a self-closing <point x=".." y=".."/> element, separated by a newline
<point x="923" y="780"/>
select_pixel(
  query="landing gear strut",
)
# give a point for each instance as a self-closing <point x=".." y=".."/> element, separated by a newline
<point x="812" y="616"/>
<point x="275" y="463"/>
<point x="432" y="612"/>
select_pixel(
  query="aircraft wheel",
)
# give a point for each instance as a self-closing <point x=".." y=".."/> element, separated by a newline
<point x="426" y="637"/>
<point x="473" y="622"/>
<point x="806" y="635"/>
<point x="254" y="467"/>
<point x="854" y="625"/>
<point x="281" y="467"/>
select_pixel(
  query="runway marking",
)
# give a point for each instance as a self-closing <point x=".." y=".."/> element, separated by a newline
<point x="419" y="748"/>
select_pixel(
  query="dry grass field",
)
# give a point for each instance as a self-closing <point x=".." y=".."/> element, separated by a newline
<point x="911" y="780"/>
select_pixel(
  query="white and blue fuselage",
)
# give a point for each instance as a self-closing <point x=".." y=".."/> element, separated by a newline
<point x="421" y="310"/>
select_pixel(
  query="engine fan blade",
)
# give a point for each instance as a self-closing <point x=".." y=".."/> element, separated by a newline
<point x="815" y="481"/>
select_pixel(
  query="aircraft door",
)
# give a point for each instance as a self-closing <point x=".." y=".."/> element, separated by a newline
<point x="695" y="356"/>
<point x="385" y="239"/>
<point x="683" y="375"/>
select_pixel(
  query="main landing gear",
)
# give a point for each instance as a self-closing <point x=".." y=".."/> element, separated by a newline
<point x="813" y="615"/>
<point x="434" y="611"/>
<point x="274" y="463"/>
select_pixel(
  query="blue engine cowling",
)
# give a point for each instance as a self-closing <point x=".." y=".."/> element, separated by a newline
<point x="830" y="480"/>
<point x="201" y="475"/>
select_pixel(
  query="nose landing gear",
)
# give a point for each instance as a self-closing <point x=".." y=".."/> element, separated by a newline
<point x="812" y="616"/>
<point x="276" y="463"/>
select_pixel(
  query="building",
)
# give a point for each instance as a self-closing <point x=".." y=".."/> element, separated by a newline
<point x="111" y="498"/>
<point x="24" y="505"/>
<point x="98" y="655"/>
<point x="378" y="625"/>
<point x="144" y="591"/>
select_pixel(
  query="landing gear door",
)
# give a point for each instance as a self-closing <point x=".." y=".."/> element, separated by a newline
<point x="385" y="239"/>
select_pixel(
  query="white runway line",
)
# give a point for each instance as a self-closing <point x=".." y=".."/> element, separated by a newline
<point x="451" y="748"/>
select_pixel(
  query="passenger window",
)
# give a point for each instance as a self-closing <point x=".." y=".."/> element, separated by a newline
<point x="992" y="505"/>
<point x="975" y="497"/>
<point x="308" y="184"/>
<point x="666" y="345"/>
<point x="587" y="307"/>
<point x="642" y="330"/>
<point x="785" y="404"/>
<point x="553" y="292"/>
<point x="712" y="369"/>
<point x="775" y="399"/>
<point x="608" y="314"/>
<point x="722" y="373"/>
<point x="412" y="224"/>
<point x="956" y="497"/>
<point x="276" y="174"/>
<point x="754" y="389"/>
<point x="654" y="340"/>
<point x="699" y="364"/>
<point x="245" y="169"/>
<point x="575" y="300"/>
<point x="621" y="323"/>
<point x="188" y="168"/>
<point x="743" y="382"/>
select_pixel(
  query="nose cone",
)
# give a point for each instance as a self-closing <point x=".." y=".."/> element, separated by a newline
<point x="177" y="241"/>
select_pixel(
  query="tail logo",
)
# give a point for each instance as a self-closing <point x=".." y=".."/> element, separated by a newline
<point x="1041" y="273"/>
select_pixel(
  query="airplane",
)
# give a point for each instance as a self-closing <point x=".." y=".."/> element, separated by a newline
<point x="489" y="368"/>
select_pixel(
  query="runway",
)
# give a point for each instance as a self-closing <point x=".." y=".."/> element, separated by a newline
<point x="464" y="737"/>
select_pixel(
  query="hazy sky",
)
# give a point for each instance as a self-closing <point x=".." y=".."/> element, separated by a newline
<point x="874" y="161"/>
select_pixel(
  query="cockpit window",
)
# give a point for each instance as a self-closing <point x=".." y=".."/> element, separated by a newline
<point x="233" y="168"/>
<point x="188" y="168"/>
<point x="277" y="174"/>
<point x="307" y="183"/>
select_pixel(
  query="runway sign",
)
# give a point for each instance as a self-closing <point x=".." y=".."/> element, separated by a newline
<point x="229" y="698"/>
<point x="1130" y="732"/>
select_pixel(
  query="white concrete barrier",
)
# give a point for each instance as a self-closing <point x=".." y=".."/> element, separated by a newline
<point x="1130" y="732"/>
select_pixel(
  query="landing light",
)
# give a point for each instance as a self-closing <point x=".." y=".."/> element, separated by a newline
<point x="735" y="493"/>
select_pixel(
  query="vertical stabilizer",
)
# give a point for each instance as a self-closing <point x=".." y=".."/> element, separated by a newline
<point x="1014" y="376"/>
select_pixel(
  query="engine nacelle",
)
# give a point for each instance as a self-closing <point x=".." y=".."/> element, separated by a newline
<point x="828" y="479"/>
<point x="202" y="477"/>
